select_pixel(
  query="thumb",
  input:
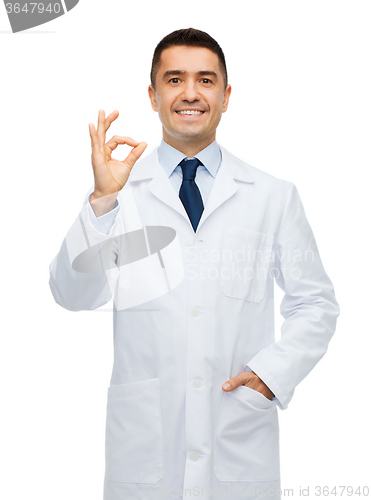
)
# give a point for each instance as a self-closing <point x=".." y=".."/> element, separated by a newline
<point x="235" y="382"/>
<point x="135" y="153"/>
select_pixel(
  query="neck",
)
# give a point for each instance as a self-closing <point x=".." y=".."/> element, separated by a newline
<point x="191" y="148"/>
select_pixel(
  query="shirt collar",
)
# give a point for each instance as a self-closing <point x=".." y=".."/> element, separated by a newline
<point x="170" y="157"/>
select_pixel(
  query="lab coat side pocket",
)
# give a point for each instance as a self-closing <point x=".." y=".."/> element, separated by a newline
<point x="246" y="260"/>
<point x="134" y="436"/>
<point x="246" y="446"/>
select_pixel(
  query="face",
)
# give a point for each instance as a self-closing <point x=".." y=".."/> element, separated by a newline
<point x="190" y="96"/>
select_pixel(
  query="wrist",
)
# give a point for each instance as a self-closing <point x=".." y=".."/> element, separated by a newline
<point x="96" y="194"/>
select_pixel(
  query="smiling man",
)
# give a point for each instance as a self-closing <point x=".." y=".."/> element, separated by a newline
<point x="189" y="100"/>
<point x="198" y="375"/>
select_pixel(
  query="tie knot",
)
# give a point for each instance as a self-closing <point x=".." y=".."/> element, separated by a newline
<point x="189" y="167"/>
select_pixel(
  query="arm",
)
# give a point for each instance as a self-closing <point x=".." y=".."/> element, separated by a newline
<point x="71" y="288"/>
<point x="309" y="306"/>
<point x="83" y="273"/>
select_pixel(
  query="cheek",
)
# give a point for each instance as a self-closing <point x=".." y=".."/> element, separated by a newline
<point x="165" y="106"/>
<point x="215" y="103"/>
<point x="216" y="109"/>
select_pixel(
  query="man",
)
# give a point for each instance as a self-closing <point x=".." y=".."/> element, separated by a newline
<point x="189" y="242"/>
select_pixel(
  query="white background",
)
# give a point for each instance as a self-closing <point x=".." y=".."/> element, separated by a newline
<point x="300" y="109"/>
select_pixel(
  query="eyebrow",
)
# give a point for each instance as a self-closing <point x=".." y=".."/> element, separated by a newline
<point x="174" y="72"/>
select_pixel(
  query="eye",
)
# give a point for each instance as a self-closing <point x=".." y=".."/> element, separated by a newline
<point x="206" y="80"/>
<point x="172" y="80"/>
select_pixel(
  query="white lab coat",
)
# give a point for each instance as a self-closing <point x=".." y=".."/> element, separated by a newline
<point x="194" y="314"/>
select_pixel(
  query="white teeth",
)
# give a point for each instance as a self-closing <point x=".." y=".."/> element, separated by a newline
<point x="190" y="112"/>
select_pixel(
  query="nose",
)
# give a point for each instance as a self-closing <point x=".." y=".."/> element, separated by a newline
<point x="190" y="92"/>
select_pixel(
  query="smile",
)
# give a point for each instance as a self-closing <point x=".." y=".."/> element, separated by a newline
<point x="190" y="112"/>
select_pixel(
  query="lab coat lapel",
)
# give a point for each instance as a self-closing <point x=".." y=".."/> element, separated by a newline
<point x="224" y="186"/>
<point x="160" y="184"/>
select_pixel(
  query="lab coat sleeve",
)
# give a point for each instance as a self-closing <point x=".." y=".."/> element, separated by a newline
<point x="84" y="272"/>
<point x="309" y="306"/>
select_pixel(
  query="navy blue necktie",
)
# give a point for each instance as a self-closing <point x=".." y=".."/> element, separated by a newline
<point x="189" y="193"/>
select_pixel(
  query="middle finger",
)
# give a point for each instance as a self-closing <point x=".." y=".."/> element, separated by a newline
<point x="101" y="128"/>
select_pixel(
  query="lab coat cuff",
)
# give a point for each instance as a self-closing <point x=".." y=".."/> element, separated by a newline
<point x="92" y="225"/>
<point x="105" y="222"/>
<point x="281" y="397"/>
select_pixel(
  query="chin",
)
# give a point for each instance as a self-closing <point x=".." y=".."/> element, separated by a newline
<point x="189" y="132"/>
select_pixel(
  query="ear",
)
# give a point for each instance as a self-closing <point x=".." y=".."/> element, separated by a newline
<point x="152" y="97"/>
<point x="227" y="94"/>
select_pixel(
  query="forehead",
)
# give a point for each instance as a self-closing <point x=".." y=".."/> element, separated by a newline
<point x="189" y="59"/>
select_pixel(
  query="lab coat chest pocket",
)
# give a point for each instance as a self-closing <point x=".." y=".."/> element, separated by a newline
<point x="245" y="265"/>
<point x="134" y="437"/>
<point x="246" y="438"/>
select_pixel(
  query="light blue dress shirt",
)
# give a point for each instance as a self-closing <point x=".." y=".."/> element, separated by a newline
<point x="169" y="158"/>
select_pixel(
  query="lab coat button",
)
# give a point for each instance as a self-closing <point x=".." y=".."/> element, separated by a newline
<point x="197" y="383"/>
<point x="194" y="456"/>
<point x="195" y="311"/>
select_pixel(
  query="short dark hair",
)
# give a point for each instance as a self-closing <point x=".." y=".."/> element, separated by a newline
<point x="190" y="37"/>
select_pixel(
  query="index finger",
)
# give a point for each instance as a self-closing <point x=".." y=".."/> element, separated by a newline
<point x="118" y="139"/>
